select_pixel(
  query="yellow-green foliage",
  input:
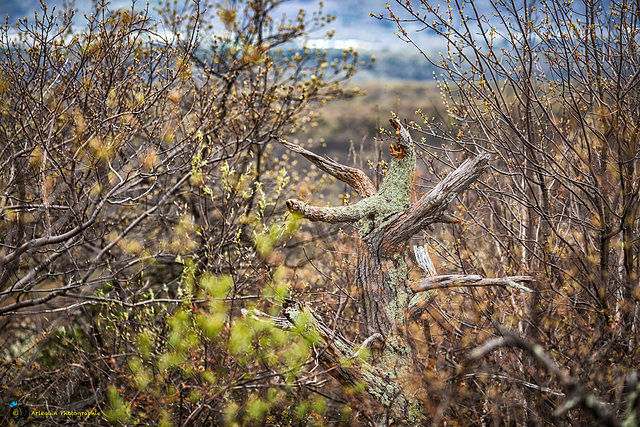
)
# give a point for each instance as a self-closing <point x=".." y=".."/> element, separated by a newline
<point x="119" y="411"/>
<point x="143" y="157"/>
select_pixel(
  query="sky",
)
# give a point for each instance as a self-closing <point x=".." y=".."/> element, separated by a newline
<point x="353" y="24"/>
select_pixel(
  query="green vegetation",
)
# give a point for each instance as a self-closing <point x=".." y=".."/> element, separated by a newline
<point x="142" y="205"/>
<point x="166" y="258"/>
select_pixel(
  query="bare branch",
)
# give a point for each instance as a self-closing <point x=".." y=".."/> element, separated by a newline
<point x="517" y="381"/>
<point x="424" y="260"/>
<point x="459" y="280"/>
<point x="261" y="316"/>
<point x="367" y="343"/>
<point x="430" y="208"/>
<point x="577" y="395"/>
<point x="333" y="215"/>
<point x="356" y="178"/>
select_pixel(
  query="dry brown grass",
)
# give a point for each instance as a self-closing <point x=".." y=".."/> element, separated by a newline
<point x="356" y="121"/>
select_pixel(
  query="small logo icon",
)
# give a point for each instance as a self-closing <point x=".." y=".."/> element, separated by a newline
<point x="18" y="411"/>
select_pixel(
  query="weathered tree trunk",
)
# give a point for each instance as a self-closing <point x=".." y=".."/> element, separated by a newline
<point x="386" y="220"/>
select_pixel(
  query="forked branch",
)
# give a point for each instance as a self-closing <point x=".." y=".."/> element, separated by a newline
<point x="431" y="207"/>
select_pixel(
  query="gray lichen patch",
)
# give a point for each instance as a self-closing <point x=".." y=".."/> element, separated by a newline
<point x="383" y="280"/>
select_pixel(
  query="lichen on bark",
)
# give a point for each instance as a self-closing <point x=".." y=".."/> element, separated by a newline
<point x="385" y="220"/>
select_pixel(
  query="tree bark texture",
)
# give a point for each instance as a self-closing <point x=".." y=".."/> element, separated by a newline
<point x="386" y="220"/>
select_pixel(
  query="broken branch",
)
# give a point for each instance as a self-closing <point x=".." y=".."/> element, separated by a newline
<point x="430" y="207"/>
<point x="460" y="280"/>
<point x="332" y="215"/>
<point x="356" y="178"/>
